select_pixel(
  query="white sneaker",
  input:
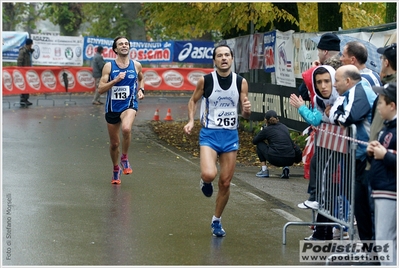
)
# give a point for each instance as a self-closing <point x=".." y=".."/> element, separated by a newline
<point x="309" y="204"/>
<point x="302" y="205"/>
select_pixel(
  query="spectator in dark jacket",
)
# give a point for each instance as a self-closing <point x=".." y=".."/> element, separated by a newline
<point x="25" y="59"/>
<point x="354" y="107"/>
<point x="383" y="174"/>
<point x="274" y="145"/>
<point x="97" y="65"/>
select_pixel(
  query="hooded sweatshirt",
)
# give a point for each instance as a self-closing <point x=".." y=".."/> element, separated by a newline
<point x="315" y="115"/>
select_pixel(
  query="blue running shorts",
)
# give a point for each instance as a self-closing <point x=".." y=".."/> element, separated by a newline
<point x="220" y="140"/>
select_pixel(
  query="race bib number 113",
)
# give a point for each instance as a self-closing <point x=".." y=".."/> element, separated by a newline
<point x="120" y="92"/>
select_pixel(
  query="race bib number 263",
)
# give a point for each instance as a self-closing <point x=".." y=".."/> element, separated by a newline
<point x="120" y="92"/>
<point x="225" y="117"/>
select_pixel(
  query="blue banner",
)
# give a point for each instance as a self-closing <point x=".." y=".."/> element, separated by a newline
<point x="193" y="51"/>
<point x="269" y="41"/>
<point x="11" y="43"/>
<point x="144" y="52"/>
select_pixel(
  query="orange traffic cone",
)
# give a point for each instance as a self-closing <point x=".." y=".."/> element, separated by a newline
<point x="156" y="115"/>
<point x="168" y="116"/>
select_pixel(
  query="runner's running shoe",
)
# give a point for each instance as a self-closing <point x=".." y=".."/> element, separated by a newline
<point x="127" y="169"/>
<point x="207" y="188"/>
<point x="116" y="177"/>
<point x="217" y="229"/>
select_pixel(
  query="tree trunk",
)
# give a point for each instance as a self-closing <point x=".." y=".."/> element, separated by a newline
<point x="31" y="19"/>
<point x="9" y="25"/>
<point x="390" y="13"/>
<point x="330" y="19"/>
<point x="136" y="30"/>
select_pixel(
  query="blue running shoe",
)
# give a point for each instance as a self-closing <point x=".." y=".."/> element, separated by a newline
<point x="116" y="177"/>
<point x="206" y="188"/>
<point x="217" y="229"/>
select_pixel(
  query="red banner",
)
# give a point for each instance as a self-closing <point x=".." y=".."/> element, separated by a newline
<point x="21" y="80"/>
<point x="173" y="78"/>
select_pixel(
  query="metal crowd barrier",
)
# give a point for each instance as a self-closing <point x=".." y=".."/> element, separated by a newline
<point x="335" y="152"/>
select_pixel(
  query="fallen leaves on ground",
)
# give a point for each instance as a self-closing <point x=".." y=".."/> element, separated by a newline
<point x="173" y="134"/>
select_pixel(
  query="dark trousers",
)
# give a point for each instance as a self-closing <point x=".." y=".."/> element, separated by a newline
<point x="262" y="149"/>
<point x="24" y="97"/>
<point x="312" y="179"/>
<point x="323" y="232"/>
<point x="362" y="202"/>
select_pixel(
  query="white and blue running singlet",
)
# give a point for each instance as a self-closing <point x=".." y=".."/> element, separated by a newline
<point x="123" y="94"/>
<point x="219" y="110"/>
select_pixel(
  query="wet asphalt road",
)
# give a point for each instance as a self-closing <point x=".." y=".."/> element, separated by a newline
<point x="59" y="207"/>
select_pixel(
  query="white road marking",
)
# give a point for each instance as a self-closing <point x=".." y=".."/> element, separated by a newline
<point x="254" y="196"/>
<point x="285" y="214"/>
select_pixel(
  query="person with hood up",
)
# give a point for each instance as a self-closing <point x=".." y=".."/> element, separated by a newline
<point x="324" y="95"/>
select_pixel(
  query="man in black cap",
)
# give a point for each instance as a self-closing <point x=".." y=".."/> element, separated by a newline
<point x="328" y="47"/>
<point x="25" y="59"/>
<point x="388" y="64"/>
<point x="97" y="65"/>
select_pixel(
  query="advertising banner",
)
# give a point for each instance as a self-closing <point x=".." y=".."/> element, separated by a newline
<point x="173" y="78"/>
<point x="11" y="43"/>
<point x="305" y="52"/>
<point x="144" y="52"/>
<point x="241" y="52"/>
<point x="90" y="45"/>
<point x="269" y="43"/>
<point x="20" y="80"/>
<point x="283" y="59"/>
<point x="57" y="50"/>
<point x="256" y="51"/>
<point x="193" y="51"/>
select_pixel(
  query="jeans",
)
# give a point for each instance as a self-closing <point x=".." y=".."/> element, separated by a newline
<point x="385" y="224"/>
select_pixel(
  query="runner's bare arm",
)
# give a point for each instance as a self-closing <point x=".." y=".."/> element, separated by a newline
<point x="140" y="79"/>
<point x="192" y="104"/>
<point x="104" y="85"/>
<point x="245" y="103"/>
